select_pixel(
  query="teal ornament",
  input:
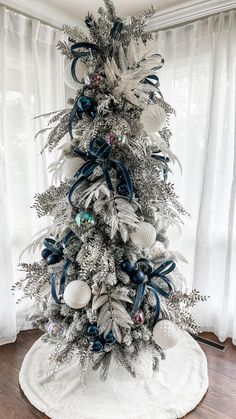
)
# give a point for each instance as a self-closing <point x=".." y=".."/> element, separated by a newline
<point x="85" y="219"/>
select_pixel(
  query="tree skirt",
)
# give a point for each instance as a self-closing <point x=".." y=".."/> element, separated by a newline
<point x="178" y="386"/>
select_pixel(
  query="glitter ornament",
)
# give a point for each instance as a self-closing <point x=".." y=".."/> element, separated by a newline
<point x="144" y="236"/>
<point x="138" y="317"/>
<point x="56" y="329"/>
<point x="166" y="334"/>
<point x="77" y="294"/>
<point x="85" y="219"/>
<point x="71" y="166"/>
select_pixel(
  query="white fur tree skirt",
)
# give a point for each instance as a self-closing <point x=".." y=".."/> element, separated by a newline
<point x="171" y="393"/>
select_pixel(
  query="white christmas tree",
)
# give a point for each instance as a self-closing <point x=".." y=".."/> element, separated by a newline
<point x="107" y="285"/>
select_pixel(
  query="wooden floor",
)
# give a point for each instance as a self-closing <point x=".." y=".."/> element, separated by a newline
<point x="219" y="402"/>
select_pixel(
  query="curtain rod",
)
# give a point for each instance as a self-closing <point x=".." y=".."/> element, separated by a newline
<point x="29" y="16"/>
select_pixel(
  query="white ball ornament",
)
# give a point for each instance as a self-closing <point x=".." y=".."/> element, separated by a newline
<point x="144" y="236"/>
<point x="71" y="166"/>
<point x="77" y="294"/>
<point x="166" y="334"/>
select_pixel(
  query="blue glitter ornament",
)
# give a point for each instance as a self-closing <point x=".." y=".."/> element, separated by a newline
<point x="137" y="276"/>
<point x="92" y="330"/>
<point x="97" y="346"/>
<point x="85" y="219"/>
<point x="110" y="339"/>
<point x="45" y="253"/>
<point x="127" y="266"/>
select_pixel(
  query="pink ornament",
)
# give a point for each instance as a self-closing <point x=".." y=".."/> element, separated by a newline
<point x="112" y="138"/>
<point x="138" y="317"/>
<point x="96" y="80"/>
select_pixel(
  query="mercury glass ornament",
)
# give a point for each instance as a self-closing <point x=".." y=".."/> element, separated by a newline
<point x="56" y="329"/>
<point x="85" y="219"/>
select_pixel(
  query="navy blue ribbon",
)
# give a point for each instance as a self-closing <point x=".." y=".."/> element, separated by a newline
<point x="161" y="272"/>
<point x="99" y="156"/>
<point x="59" y="248"/>
<point x="164" y="161"/>
<point x="153" y="80"/>
<point x="53" y="246"/>
<point x="77" y="54"/>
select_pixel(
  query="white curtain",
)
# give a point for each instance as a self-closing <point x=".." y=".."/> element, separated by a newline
<point x="31" y="83"/>
<point x="198" y="79"/>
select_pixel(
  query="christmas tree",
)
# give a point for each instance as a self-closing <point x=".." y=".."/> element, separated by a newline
<point x="107" y="285"/>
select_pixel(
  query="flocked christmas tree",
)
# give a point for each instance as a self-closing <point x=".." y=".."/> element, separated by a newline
<point x="107" y="285"/>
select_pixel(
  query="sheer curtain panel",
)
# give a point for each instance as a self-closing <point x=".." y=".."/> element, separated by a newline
<point x="31" y="83"/>
<point x="199" y="79"/>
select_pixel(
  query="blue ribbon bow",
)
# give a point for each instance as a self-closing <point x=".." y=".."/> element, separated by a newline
<point x="161" y="272"/>
<point x="77" y="54"/>
<point x="164" y="161"/>
<point x="59" y="248"/>
<point x="100" y="156"/>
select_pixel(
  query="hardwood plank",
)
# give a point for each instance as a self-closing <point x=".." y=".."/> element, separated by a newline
<point x="205" y="412"/>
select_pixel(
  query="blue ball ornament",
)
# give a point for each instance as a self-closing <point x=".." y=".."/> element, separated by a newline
<point x="110" y="338"/>
<point x="127" y="266"/>
<point x="97" y="346"/>
<point x="92" y="330"/>
<point x="52" y="259"/>
<point x="137" y="277"/>
<point x="45" y="253"/>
